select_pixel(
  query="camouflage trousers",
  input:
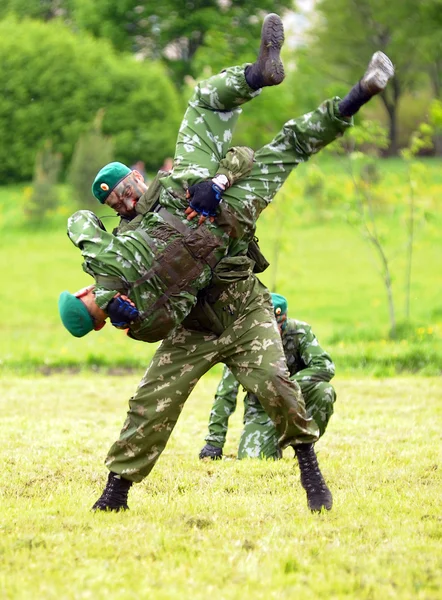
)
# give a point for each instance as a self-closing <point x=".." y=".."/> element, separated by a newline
<point x="259" y="438"/>
<point x="250" y="346"/>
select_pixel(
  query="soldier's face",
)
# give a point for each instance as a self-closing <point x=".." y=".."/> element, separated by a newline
<point x="124" y="197"/>
<point x="281" y="319"/>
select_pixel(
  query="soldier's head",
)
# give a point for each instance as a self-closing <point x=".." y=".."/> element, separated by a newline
<point x="80" y="313"/>
<point x="119" y="187"/>
<point x="280" y="308"/>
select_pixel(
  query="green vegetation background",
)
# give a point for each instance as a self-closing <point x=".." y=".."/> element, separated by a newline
<point x="319" y="261"/>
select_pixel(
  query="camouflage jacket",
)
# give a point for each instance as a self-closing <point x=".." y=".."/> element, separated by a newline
<point x="305" y="358"/>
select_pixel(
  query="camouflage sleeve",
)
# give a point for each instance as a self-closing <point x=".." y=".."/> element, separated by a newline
<point x="86" y="231"/>
<point x="237" y="163"/>
<point x="102" y="295"/>
<point x="319" y="365"/>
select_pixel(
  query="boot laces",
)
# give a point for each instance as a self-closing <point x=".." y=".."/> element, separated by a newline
<point x="115" y="493"/>
<point x="311" y="476"/>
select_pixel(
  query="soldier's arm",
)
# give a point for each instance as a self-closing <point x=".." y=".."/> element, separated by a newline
<point x="237" y="163"/>
<point x="205" y="196"/>
<point x="319" y="365"/>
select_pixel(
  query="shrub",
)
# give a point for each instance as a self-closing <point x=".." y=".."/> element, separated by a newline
<point x="44" y="198"/>
<point x="92" y="151"/>
<point x="54" y="81"/>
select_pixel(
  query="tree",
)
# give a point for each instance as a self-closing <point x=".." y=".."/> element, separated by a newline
<point x="351" y="30"/>
<point x="175" y="29"/>
<point x="54" y="92"/>
<point x="37" y="9"/>
<point x="44" y="197"/>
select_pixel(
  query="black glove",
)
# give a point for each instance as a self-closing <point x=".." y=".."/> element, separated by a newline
<point x="205" y="197"/>
<point x="121" y="312"/>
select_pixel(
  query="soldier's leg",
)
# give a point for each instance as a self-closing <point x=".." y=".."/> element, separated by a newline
<point x="257" y="361"/>
<point x="301" y="138"/>
<point x="259" y="438"/>
<point x="223" y="407"/>
<point x="206" y="131"/>
<point x="319" y="399"/>
<point x="298" y="140"/>
<point x="177" y="365"/>
<point x="256" y="358"/>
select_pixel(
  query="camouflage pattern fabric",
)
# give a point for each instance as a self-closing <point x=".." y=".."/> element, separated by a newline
<point x="223" y="408"/>
<point x="205" y="136"/>
<point x="250" y="346"/>
<point x="127" y="257"/>
<point x="202" y="149"/>
<point x="235" y="325"/>
<point x="308" y="364"/>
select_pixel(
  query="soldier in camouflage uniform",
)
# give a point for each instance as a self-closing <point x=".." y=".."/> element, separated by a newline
<point x="150" y="265"/>
<point x="233" y="320"/>
<point x="308" y="364"/>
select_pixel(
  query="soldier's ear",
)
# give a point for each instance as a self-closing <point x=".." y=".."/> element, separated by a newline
<point x="137" y="175"/>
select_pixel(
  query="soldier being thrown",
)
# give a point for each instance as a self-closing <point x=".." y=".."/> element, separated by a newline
<point x="240" y="330"/>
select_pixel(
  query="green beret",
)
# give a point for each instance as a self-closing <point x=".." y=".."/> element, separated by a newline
<point x="74" y="315"/>
<point x="280" y="302"/>
<point x="107" y="178"/>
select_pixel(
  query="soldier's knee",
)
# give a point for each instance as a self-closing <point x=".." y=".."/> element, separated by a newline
<point x="328" y="392"/>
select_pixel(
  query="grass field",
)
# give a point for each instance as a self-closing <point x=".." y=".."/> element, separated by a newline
<point x="225" y="530"/>
<point x="230" y="529"/>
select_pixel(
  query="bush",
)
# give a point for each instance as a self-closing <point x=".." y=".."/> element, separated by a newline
<point x="92" y="151"/>
<point x="53" y="83"/>
<point x="44" y="197"/>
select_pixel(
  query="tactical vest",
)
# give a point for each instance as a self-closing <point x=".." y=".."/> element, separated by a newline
<point x="178" y="265"/>
<point x="150" y="202"/>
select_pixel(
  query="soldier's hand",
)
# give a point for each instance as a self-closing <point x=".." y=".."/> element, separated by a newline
<point x="204" y="199"/>
<point x="122" y="311"/>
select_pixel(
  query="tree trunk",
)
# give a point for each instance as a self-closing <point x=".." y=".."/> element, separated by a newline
<point x="436" y="77"/>
<point x="391" y="107"/>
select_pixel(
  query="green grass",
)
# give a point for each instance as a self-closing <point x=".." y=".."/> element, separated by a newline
<point x="322" y="264"/>
<point x="225" y="530"/>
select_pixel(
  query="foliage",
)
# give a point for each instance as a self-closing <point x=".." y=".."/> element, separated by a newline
<point x="92" y="151"/>
<point x="349" y="32"/>
<point x="230" y="529"/>
<point x="44" y="197"/>
<point x="37" y="9"/>
<point x="177" y="31"/>
<point x="44" y="99"/>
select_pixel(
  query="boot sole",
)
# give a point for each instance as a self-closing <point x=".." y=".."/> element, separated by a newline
<point x="272" y="39"/>
<point x="380" y="69"/>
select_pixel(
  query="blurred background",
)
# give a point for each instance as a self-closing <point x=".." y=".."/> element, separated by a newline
<point x="353" y="237"/>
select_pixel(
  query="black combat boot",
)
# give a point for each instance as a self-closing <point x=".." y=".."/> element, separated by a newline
<point x="114" y="496"/>
<point x="380" y="69"/>
<point x="318" y="494"/>
<point x="212" y="452"/>
<point x="268" y="69"/>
